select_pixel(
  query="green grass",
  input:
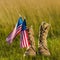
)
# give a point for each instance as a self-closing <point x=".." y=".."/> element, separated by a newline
<point x="35" y="12"/>
<point x="13" y="52"/>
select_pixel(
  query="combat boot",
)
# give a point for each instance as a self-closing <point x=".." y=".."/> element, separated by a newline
<point x="42" y="43"/>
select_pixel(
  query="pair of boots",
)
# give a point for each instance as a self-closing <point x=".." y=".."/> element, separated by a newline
<point x="42" y="42"/>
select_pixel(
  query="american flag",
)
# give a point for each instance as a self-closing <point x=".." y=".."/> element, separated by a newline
<point x="24" y="36"/>
<point x="15" y="31"/>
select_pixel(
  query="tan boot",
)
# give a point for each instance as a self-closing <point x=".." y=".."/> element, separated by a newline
<point x="42" y="43"/>
<point x="31" y="50"/>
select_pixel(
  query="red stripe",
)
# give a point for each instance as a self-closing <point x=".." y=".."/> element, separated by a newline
<point x="25" y="39"/>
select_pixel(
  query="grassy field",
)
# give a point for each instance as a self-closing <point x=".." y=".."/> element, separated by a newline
<point x="35" y="12"/>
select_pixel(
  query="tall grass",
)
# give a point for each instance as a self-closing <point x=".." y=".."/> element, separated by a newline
<point x="35" y="12"/>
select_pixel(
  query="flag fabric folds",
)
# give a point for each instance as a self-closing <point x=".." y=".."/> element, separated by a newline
<point x="24" y="36"/>
<point x="15" y="31"/>
<point x="21" y="29"/>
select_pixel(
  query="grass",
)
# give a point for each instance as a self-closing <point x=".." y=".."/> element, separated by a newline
<point x="35" y="12"/>
<point x="13" y="52"/>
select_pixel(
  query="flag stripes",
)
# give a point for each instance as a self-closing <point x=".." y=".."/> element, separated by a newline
<point x="13" y="34"/>
<point x="24" y="39"/>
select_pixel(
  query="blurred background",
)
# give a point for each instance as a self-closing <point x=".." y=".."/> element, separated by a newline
<point x="35" y="12"/>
